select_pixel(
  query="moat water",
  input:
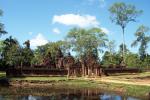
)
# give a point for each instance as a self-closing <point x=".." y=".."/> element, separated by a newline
<point x="40" y="93"/>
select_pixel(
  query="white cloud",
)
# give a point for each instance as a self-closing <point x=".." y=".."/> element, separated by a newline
<point x="105" y="30"/>
<point x="38" y="40"/>
<point x="56" y="30"/>
<point x="76" y="20"/>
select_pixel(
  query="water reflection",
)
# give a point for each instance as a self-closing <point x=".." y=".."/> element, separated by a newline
<point x="66" y="97"/>
<point x="58" y="94"/>
<point x="116" y="97"/>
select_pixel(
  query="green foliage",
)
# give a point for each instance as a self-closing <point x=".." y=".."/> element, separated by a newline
<point x="133" y="60"/>
<point x="146" y="62"/>
<point x="126" y="50"/>
<point x="13" y="54"/>
<point x="27" y="55"/>
<point x="84" y="41"/>
<point x="111" y="46"/>
<point x="110" y="59"/>
<point x="1" y="46"/>
<point x="52" y="47"/>
<point x="38" y="58"/>
<point x="141" y="38"/>
<point x="111" y="49"/>
<point x="11" y="51"/>
<point x="122" y="13"/>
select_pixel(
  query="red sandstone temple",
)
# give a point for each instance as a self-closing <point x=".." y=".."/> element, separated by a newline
<point x="63" y="65"/>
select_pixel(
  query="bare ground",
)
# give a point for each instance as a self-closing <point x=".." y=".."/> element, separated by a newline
<point x="132" y="79"/>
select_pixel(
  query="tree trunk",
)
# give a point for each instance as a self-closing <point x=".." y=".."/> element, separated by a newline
<point x="123" y="53"/>
<point x="89" y="71"/>
<point x="68" y="72"/>
<point x="86" y="71"/>
<point x="83" y="70"/>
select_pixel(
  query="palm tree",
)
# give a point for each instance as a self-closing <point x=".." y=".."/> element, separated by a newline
<point x="10" y="41"/>
<point x="141" y="38"/>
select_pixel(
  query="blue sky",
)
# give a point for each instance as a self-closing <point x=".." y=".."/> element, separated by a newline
<point x="41" y="21"/>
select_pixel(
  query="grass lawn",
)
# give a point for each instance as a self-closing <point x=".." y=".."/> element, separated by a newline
<point x="2" y="74"/>
<point x="47" y="78"/>
<point x="41" y="78"/>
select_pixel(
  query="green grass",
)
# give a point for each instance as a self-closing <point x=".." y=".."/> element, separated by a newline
<point x="145" y="74"/>
<point x="2" y="74"/>
<point x="40" y="78"/>
<point x="130" y="89"/>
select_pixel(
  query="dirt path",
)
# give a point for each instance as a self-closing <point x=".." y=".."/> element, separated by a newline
<point x="135" y="82"/>
<point x="132" y="79"/>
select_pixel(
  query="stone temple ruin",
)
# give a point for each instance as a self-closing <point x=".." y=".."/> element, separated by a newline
<point x="86" y="66"/>
<point x="62" y="65"/>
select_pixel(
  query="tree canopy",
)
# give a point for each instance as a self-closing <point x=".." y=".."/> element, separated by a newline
<point x="86" y="40"/>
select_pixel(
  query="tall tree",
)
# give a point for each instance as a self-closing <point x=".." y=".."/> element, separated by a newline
<point x="86" y="41"/>
<point x="2" y="31"/>
<point x="27" y="54"/>
<point x="122" y="14"/>
<point x="143" y="39"/>
<point x="11" y="51"/>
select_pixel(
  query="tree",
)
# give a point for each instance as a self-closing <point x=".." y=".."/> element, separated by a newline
<point x="106" y="59"/>
<point x="2" y="63"/>
<point x="2" y="31"/>
<point x="27" y="54"/>
<point x="39" y="55"/>
<point x="146" y="62"/>
<point x="52" y="47"/>
<point x="11" y="51"/>
<point x="111" y="49"/>
<point x="1" y="48"/>
<point x="86" y="41"/>
<point x="141" y="38"/>
<point x="122" y="14"/>
<point x="133" y="60"/>
<point x="126" y="50"/>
